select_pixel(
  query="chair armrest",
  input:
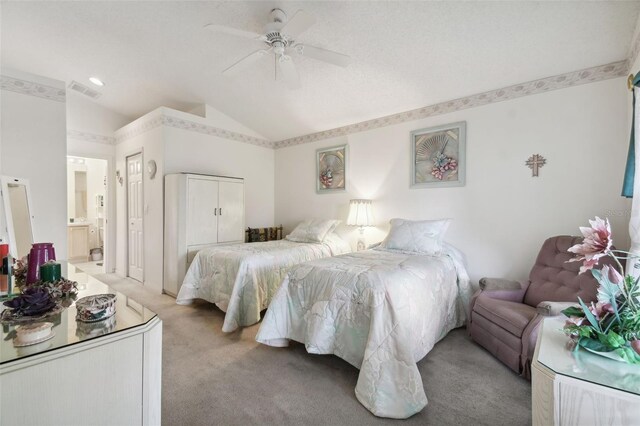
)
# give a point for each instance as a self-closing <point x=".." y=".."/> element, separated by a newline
<point x="553" y="309"/>
<point x="492" y="284"/>
<point x="499" y="288"/>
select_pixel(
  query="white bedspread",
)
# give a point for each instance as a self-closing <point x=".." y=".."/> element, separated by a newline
<point x="241" y="279"/>
<point x="380" y="311"/>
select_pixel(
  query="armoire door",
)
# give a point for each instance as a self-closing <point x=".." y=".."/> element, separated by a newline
<point x="202" y="211"/>
<point x="231" y="212"/>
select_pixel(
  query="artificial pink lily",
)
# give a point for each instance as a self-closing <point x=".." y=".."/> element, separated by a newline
<point x="596" y="244"/>
<point x="599" y="310"/>
<point x="612" y="273"/>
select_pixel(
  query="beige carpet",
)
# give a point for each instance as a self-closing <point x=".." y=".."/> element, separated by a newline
<point x="211" y="378"/>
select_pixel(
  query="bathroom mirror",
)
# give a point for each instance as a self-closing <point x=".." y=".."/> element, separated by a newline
<point x="18" y="215"/>
<point x="80" y="190"/>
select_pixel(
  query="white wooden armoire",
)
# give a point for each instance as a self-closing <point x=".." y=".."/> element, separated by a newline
<point x="199" y="211"/>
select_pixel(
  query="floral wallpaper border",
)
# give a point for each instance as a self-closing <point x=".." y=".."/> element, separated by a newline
<point x="31" y="88"/>
<point x="588" y="75"/>
<point x="90" y="137"/>
<point x="180" y="123"/>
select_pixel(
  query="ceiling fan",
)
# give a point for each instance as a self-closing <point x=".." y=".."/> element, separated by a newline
<point x="280" y="38"/>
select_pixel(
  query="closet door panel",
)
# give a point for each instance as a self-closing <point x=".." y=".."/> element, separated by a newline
<point x="231" y="212"/>
<point x="202" y="214"/>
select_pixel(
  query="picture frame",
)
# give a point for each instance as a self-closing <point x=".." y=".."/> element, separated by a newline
<point x="438" y="156"/>
<point x="331" y="169"/>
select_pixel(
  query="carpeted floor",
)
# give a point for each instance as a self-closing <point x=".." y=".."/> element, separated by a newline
<point x="209" y="377"/>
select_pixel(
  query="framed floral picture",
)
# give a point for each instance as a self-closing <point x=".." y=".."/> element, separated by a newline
<point x="331" y="169"/>
<point x="438" y="156"/>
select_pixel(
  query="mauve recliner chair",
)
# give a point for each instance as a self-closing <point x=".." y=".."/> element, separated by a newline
<point x="505" y="315"/>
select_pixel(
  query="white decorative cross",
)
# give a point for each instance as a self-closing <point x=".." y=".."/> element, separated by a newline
<point x="535" y="162"/>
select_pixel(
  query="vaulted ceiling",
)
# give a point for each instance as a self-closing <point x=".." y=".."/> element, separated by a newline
<point x="405" y="55"/>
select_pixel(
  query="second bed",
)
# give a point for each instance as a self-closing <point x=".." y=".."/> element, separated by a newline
<point x="380" y="310"/>
<point x="241" y="279"/>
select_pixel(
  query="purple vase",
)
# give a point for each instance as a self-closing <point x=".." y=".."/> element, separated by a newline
<point x="40" y="253"/>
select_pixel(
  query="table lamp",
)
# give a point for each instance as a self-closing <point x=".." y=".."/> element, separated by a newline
<point x="360" y="214"/>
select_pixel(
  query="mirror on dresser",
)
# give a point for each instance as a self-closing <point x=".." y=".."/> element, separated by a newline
<point x="18" y="215"/>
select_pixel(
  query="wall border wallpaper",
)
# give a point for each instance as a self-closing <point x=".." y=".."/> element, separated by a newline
<point x="165" y="119"/>
<point x="561" y="81"/>
<point x="90" y="137"/>
<point x="33" y="89"/>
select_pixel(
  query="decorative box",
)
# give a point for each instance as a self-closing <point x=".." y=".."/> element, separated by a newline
<point x="30" y="334"/>
<point x="95" y="308"/>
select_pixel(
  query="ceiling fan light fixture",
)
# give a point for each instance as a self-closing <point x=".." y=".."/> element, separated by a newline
<point x="280" y="36"/>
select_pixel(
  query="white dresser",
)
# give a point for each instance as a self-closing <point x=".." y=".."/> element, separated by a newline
<point x="103" y="373"/>
<point x="200" y="211"/>
<point x="578" y="387"/>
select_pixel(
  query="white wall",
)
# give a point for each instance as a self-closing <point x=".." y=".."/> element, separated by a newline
<point x="187" y="151"/>
<point x="33" y="139"/>
<point x="85" y="115"/>
<point x="502" y="215"/>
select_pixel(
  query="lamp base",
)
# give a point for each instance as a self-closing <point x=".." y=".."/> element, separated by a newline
<point x="362" y="245"/>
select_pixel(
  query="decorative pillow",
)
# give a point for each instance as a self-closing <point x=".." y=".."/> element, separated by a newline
<point x="417" y="236"/>
<point x="312" y="231"/>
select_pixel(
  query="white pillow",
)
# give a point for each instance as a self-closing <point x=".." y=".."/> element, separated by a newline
<point x="416" y="236"/>
<point x="312" y="231"/>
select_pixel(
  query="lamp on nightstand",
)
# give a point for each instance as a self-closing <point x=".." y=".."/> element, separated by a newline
<point x="360" y="214"/>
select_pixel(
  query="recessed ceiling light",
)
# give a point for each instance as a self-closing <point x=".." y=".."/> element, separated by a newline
<point x="96" y="81"/>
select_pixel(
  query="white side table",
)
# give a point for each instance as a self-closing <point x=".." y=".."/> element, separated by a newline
<point x="578" y="387"/>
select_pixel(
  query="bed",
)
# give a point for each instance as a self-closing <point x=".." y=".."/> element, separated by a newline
<point x="381" y="310"/>
<point x="241" y="279"/>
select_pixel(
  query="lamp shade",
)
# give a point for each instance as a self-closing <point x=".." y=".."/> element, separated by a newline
<point x="360" y="213"/>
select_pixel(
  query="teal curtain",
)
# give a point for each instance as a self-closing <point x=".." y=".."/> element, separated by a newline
<point x="630" y="169"/>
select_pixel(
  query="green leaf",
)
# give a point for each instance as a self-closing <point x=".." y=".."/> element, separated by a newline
<point x="594" y="345"/>
<point x="592" y="319"/>
<point x="614" y="340"/>
<point x="628" y="354"/>
<point x="607" y="291"/>
<point x="573" y="311"/>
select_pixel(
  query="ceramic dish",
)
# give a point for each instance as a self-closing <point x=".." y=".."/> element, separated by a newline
<point x="95" y="308"/>
<point x="87" y="330"/>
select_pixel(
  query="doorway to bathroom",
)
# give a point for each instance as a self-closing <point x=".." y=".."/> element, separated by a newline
<point x="87" y="213"/>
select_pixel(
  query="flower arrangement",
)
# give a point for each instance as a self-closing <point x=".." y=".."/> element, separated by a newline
<point x="39" y="298"/>
<point x="611" y="326"/>
<point x="442" y="164"/>
<point x="326" y="178"/>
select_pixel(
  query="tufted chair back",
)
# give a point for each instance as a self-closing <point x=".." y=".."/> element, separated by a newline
<point x="556" y="280"/>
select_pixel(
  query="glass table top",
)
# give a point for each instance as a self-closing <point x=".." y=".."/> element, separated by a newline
<point x="68" y="331"/>
<point x="555" y="352"/>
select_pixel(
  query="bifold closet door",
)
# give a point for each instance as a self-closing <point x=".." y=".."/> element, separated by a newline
<point x="231" y="212"/>
<point x="202" y="211"/>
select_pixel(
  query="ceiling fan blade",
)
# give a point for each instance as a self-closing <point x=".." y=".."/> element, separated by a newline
<point x="234" y="32"/>
<point x="300" y="23"/>
<point x="245" y="62"/>
<point x="325" y="55"/>
<point x="289" y="72"/>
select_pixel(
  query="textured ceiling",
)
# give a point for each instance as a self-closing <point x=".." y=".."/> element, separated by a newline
<point x="405" y="54"/>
